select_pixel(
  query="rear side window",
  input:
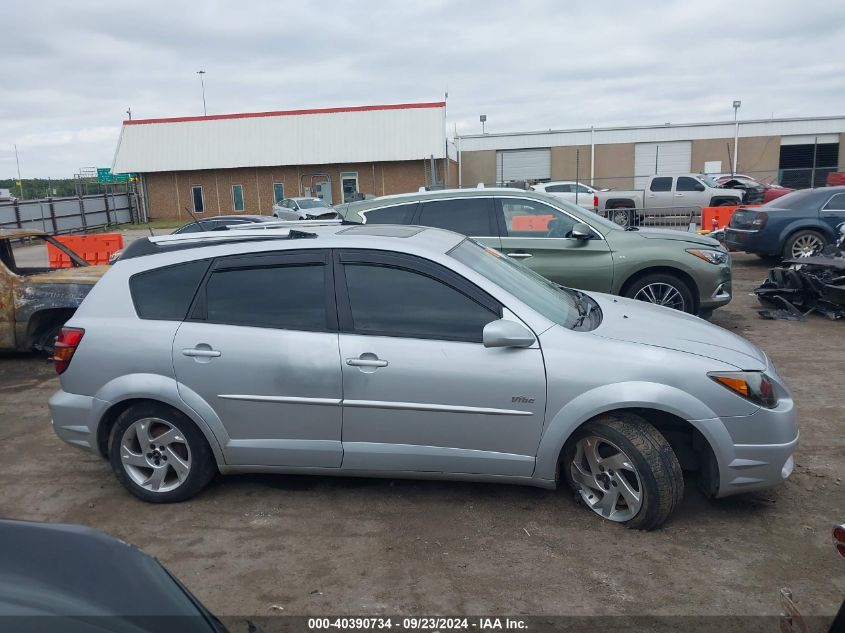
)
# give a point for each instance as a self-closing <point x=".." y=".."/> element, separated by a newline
<point x="285" y="297"/>
<point x="470" y="216"/>
<point x="559" y="189"/>
<point x="165" y="294"/>
<point x="836" y="203"/>
<point x="661" y="184"/>
<point x="398" y="214"/>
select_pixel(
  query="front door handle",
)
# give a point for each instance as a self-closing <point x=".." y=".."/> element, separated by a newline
<point x="520" y="255"/>
<point x="366" y="362"/>
<point x="200" y="353"/>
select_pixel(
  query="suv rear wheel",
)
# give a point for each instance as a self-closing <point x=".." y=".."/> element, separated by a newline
<point x="159" y="455"/>
<point x="624" y="470"/>
<point x="663" y="289"/>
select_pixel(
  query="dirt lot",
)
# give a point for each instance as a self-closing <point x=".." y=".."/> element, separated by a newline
<point x="344" y="546"/>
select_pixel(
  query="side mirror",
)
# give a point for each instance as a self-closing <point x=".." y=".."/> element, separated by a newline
<point x="503" y="333"/>
<point x="699" y="187"/>
<point x="581" y="231"/>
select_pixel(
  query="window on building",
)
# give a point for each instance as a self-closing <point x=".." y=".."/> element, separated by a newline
<point x="661" y="184"/>
<point x="278" y="192"/>
<point x="199" y="203"/>
<point x="807" y="165"/>
<point x="470" y="216"/>
<point x="238" y="197"/>
<point x="349" y="184"/>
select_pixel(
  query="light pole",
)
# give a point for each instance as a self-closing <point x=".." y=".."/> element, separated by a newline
<point x="202" y="85"/>
<point x="737" y="103"/>
<point x="483" y="119"/>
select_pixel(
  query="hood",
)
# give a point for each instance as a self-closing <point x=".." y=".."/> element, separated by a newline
<point x="678" y="236"/>
<point x="83" y="275"/>
<point x="648" y="324"/>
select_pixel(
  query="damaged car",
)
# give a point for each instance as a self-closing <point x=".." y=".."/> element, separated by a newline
<point x="36" y="300"/>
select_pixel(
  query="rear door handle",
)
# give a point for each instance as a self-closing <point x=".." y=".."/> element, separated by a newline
<point x="520" y="255"/>
<point x="200" y="353"/>
<point x="366" y="362"/>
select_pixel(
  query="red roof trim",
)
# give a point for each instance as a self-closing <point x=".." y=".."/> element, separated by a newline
<point x="252" y="115"/>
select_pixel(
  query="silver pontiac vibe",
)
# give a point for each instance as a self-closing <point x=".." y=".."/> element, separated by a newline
<point x="402" y="351"/>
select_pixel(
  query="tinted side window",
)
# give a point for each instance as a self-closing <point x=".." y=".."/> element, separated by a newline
<point x="398" y="214"/>
<point x="398" y="302"/>
<point x="469" y="216"/>
<point x="685" y="183"/>
<point x="836" y="203"/>
<point x="287" y="297"/>
<point x="531" y="218"/>
<point x="559" y="189"/>
<point x="661" y="184"/>
<point x="166" y="293"/>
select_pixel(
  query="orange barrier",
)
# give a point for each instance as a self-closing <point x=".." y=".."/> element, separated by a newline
<point x="531" y="222"/>
<point x="94" y="249"/>
<point x="713" y="218"/>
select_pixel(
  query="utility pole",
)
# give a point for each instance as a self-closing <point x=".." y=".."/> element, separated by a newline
<point x="20" y="182"/>
<point x="737" y="104"/>
<point x="202" y="85"/>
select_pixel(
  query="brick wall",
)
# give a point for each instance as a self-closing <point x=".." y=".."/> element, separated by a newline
<point x="168" y="193"/>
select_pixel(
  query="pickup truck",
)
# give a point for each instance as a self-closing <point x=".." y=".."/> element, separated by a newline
<point x="668" y="191"/>
<point x="36" y="301"/>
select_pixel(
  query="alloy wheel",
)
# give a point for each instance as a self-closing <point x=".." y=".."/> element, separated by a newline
<point x="806" y="246"/>
<point x="606" y="479"/>
<point x="155" y="455"/>
<point x="662" y="294"/>
<point x="620" y="217"/>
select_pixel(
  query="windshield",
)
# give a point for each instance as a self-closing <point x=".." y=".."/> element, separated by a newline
<point x="553" y="302"/>
<point x="312" y="203"/>
<point x="707" y="180"/>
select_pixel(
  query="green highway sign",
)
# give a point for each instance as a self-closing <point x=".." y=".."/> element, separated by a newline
<point x="104" y="175"/>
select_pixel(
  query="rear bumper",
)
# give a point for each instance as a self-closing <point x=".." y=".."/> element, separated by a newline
<point x="749" y="242"/>
<point x="72" y="418"/>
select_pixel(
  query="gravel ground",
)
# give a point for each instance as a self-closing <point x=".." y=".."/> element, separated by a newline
<point x="263" y="545"/>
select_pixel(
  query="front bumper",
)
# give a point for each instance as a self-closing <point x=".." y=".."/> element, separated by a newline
<point x="746" y="464"/>
<point x="714" y="286"/>
<point x="73" y="418"/>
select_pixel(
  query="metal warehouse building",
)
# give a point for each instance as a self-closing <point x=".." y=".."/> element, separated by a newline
<point x="792" y="152"/>
<point x="244" y="163"/>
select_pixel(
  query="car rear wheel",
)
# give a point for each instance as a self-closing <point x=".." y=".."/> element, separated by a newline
<point x="662" y="289"/>
<point x="621" y="216"/>
<point x="804" y="244"/>
<point x="159" y="455"/>
<point x="624" y="470"/>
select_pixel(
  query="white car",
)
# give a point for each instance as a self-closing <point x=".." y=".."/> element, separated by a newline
<point x="303" y="209"/>
<point x="571" y="191"/>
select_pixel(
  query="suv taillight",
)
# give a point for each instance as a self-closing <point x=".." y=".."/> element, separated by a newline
<point x="66" y="343"/>
<point x="596" y="202"/>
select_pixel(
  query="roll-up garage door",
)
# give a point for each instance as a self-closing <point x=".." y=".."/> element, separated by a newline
<point x="523" y="164"/>
<point x="660" y="158"/>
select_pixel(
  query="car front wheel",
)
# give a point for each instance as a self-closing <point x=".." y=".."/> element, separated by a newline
<point x="624" y="470"/>
<point x="662" y="289"/>
<point x="159" y="455"/>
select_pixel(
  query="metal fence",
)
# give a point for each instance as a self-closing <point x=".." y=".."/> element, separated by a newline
<point x="65" y="215"/>
<point x="676" y="218"/>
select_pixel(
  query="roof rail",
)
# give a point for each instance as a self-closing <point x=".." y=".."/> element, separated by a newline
<point x="283" y="224"/>
<point x="168" y="243"/>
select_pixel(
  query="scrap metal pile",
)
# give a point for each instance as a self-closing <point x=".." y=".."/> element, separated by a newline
<point x="802" y="286"/>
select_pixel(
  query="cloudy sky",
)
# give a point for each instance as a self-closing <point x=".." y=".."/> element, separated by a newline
<point x="70" y="70"/>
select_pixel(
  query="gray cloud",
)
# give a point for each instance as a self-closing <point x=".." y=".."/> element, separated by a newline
<point x="72" y="69"/>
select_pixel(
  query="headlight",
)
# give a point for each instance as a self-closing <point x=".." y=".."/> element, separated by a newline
<point x="709" y="255"/>
<point x="754" y="386"/>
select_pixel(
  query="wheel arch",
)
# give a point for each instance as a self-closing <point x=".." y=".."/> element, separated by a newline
<point x="667" y="408"/>
<point x="125" y="391"/>
<point x="812" y="225"/>
<point x="683" y="275"/>
<point x="715" y="201"/>
<point x="41" y="319"/>
<point x="620" y="203"/>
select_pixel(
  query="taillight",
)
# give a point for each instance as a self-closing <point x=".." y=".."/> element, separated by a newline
<point x="66" y="343"/>
<point x="596" y="202"/>
<point x="759" y="220"/>
<point x="839" y="539"/>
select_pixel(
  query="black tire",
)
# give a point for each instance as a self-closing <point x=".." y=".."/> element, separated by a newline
<point x="772" y="259"/>
<point x="802" y="235"/>
<point x="727" y="203"/>
<point x="658" y="469"/>
<point x="203" y="466"/>
<point x="662" y="279"/>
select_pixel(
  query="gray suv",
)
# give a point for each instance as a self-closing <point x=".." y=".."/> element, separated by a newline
<point x="399" y="351"/>
<point x="570" y="245"/>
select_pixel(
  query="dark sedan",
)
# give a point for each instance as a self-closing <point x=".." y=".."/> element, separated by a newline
<point x="798" y="224"/>
<point x="222" y="222"/>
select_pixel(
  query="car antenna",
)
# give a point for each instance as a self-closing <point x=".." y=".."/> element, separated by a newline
<point x="197" y="222"/>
